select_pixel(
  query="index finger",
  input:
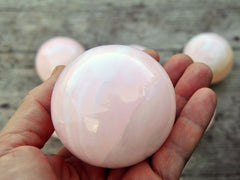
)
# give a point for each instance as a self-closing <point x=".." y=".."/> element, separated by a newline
<point x="176" y="66"/>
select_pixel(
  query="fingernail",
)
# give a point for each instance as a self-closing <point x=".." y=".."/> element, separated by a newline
<point x="56" y="69"/>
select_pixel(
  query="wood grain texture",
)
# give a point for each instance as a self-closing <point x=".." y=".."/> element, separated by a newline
<point x="163" y="25"/>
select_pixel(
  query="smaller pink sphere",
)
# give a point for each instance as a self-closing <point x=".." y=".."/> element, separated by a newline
<point x="54" y="52"/>
<point x="214" y="51"/>
<point x="139" y="47"/>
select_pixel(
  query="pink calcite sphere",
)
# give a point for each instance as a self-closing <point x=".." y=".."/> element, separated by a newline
<point x="211" y="121"/>
<point x="54" y="52"/>
<point x="137" y="46"/>
<point x="113" y="106"/>
<point x="213" y="50"/>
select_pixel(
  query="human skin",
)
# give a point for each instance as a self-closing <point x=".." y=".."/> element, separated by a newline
<point x="30" y="127"/>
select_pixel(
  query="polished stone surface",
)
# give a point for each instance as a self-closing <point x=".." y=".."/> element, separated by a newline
<point x="213" y="50"/>
<point x="56" y="51"/>
<point x="113" y="106"/>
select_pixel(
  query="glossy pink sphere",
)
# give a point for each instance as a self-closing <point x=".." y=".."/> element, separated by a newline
<point x="113" y="106"/>
<point x="213" y="50"/>
<point x="137" y="46"/>
<point x="54" y="52"/>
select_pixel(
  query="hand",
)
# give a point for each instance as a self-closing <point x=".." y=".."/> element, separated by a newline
<point x="31" y="126"/>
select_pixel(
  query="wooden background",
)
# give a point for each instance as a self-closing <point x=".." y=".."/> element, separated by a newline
<point x="163" y="25"/>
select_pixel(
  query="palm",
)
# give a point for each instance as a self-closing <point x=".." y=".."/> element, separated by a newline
<point x="34" y="164"/>
<point x="194" y="110"/>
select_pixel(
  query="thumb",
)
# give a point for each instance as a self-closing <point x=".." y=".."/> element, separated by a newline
<point x="31" y="124"/>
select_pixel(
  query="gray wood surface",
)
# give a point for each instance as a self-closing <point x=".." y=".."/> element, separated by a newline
<point x="163" y="25"/>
